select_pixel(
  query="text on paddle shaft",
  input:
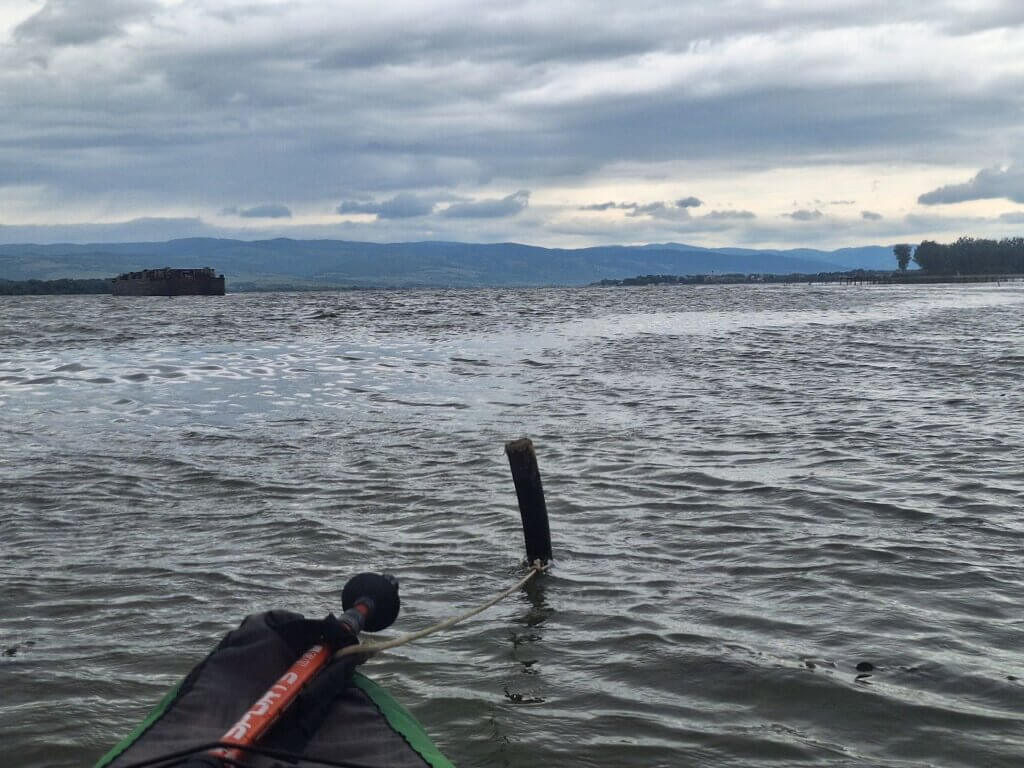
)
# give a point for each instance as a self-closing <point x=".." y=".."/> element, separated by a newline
<point x="265" y="704"/>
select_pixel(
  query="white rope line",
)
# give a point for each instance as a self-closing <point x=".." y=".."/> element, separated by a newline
<point x="370" y="648"/>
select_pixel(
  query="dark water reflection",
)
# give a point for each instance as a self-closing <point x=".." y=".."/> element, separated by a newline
<point x="753" y="490"/>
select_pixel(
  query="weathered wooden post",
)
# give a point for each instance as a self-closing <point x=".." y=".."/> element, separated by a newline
<point x="523" y="461"/>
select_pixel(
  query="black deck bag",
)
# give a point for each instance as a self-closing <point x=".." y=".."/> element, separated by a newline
<point x="341" y="716"/>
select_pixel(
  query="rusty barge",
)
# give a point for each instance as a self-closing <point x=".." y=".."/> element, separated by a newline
<point x="169" y="282"/>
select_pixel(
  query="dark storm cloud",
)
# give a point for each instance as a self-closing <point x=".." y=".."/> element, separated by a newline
<point x="76" y="22"/>
<point x="489" y="209"/>
<point x="987" y="184"/>
<point x="404" y="206"/>
<point x="870" y="216"/>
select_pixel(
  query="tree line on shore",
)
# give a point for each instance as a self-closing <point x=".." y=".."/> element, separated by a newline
<point x="729" y="278"/>
<point x="966" y="256"/>
<point x="44" y="287"/>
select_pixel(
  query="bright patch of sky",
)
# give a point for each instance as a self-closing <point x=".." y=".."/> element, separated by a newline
<point x="742" y="122"/>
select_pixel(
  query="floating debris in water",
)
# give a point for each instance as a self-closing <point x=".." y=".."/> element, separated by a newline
<point x="865" y="666"/>
<point x="12" y="650"/>
<point x="519" y="698"/>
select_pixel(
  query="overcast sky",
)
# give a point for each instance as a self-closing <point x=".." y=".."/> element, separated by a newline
<point x="565" y="123"/>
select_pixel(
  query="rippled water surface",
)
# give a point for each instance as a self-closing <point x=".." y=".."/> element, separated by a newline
<point x="752" y="491"/>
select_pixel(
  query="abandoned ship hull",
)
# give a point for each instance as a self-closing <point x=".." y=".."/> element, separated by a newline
<point x="169" y="282"/>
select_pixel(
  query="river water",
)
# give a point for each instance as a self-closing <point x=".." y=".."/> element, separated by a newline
<point x="752" y="491"/>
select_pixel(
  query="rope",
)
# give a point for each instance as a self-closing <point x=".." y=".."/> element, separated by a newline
<point x="178" y="758"/>
<point x="371" y="648"/>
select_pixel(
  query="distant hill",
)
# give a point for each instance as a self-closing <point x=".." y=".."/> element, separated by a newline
<point x="288" y="263"/>
<point x="864" y="257"/>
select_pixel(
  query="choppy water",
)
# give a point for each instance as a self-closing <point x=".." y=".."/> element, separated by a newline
<point x="752" y="490"/>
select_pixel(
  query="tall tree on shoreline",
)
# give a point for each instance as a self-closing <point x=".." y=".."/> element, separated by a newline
<point x="972" y="256"/>
<point x="902" y="254"/>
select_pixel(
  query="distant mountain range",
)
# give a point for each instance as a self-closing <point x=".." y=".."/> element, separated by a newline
<point x="285" y="263"/>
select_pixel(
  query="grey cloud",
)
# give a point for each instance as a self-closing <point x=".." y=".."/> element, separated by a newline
<point x="870" y="216"/>
<point x="726" y="215"/>
<point x="520" y="229"/>
<point x="538" y="41"/>
<point x="77" y="22"/>
<point x="618" y="206"/>
<point x="195" y="102"/>
<point x="647" y="209"/>
<point x="529" y="227"/>
<point x="268" y="211"/>
<point x="149" y="229"/>
<point x="1006" y="14"/>
<point x="341" y="116"/>
<point x="934" y="221"/>
<point x="987" y="184"/>
<point x="402" y="206"/>
<point x="804" y="215"/>
<point x="653" y="229"/>
<point x="490" y="209"/>
<point x="1013" y="217"/>
<point x="355" y="206"/>
<point x="538" y="38"/>
<point x="781" y="123"/>
<point x="650" y="209"/>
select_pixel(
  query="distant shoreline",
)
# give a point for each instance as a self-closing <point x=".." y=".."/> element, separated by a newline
<point x="60" y="287"/>
<point x="85" y="287"/>
<point x="857" y="276"/>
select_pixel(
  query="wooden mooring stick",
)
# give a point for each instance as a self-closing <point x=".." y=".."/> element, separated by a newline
<point x="526" y="475"/>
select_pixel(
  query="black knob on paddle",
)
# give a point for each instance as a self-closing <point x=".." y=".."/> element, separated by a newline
<point x="381" y="590"/>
